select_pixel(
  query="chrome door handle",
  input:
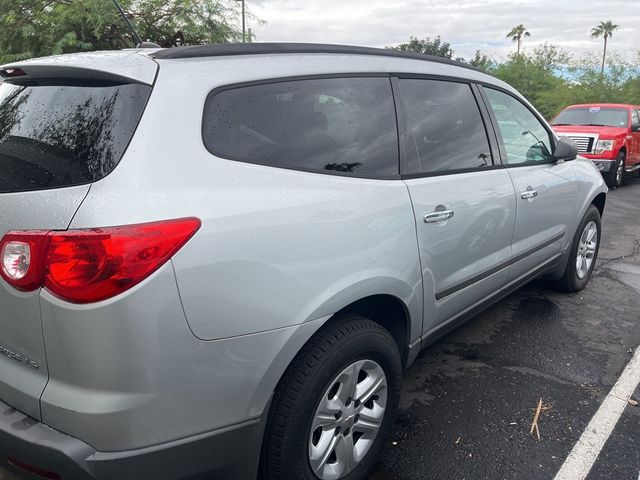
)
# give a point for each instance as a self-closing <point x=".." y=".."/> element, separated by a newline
<point x="436" y="217"/>
<point x="529" y="194"/>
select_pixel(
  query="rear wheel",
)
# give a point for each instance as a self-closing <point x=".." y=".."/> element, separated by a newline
<point x="334" y="405"/>
<point x="583" y="253"/>
<point x="615" y="176"/>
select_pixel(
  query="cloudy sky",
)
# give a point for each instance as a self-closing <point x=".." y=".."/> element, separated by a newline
<point x="468" y="25"/>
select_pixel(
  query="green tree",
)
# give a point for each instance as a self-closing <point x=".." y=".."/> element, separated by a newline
<point x="517" y="34"/>
<point x="552" y="79"/>
<point x="32" y="28"/>
<point x="200" y="21"/>
<point x="591" y="84"/>
<point x="631" y="91"/>
<point x="436" y="47"/>
<point x="481" y="61"/>
<point x="604" y="30"/>
<point x="537" y="77"/>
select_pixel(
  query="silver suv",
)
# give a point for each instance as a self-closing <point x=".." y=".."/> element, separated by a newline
<point x="218" y="260"/>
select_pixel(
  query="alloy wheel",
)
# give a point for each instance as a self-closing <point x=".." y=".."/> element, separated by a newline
<point x="347" y="420"/>
<point x="586" y="249"/>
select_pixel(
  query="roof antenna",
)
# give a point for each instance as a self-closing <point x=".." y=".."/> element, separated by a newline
<point x="136" y="37"/>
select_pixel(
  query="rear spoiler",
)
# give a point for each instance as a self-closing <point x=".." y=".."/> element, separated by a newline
<point x="113" y="66"/>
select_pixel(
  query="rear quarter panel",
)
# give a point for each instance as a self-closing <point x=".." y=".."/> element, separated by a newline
<point x="277" y="247"/>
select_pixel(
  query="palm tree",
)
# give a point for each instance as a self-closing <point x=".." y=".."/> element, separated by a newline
<point x="605" y="29"/>
<point x="517" y="33"/>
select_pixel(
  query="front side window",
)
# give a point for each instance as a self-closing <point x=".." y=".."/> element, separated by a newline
<point x="593" y="116"/>
<point x="635" y="118"/>
<point x="444" y="130"/>
<point x="345" y="125"/>
<point x="525" y="138"/>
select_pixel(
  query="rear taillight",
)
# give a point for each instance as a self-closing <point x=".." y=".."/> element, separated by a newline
<point x="84" y="266"/>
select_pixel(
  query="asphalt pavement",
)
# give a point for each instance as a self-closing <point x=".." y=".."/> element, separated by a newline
<point x="468" y="402"/>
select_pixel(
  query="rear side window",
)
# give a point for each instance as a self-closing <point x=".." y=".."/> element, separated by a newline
<point x="59" y="134"/>
<point x="345" y="125"/>
<point x="443" y="127"/>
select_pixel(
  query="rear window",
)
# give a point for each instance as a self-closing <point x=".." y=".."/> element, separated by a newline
<point x="330" y="125"/>
<point x="59" y="134"/>
<point x="595" y="116"/>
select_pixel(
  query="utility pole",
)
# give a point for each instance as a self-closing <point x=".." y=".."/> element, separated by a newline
<point x="244" y="39"/>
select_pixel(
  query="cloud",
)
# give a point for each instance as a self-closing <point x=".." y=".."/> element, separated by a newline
<point x="469" y="25"/>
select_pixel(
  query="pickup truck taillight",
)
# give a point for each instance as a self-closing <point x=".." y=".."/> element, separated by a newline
<point x="90" y="265"/>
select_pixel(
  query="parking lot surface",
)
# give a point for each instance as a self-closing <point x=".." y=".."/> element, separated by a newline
<point x="469" y="400"/>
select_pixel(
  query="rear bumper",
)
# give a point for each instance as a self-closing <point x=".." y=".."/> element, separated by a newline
<point x="231" y="453"/>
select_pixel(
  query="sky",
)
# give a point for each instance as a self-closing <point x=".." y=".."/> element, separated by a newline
<point x="468" y="25"/>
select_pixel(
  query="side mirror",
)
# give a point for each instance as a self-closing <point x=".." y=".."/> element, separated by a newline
<point x="635" y="128"/>
<point x="566" y="149"/>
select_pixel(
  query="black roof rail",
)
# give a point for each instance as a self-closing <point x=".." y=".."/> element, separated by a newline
<point x="224" y="49"/>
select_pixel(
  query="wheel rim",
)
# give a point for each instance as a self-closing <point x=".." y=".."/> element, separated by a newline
<point x="586" y="249"/>
<point x="620" y="172"/>
<point x="347" y="420"/>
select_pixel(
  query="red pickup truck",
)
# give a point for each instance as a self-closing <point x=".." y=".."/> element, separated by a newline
<point x="607" y="133"/>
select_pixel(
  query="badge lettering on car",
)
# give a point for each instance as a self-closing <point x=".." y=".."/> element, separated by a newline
<point x="12" y="354"/>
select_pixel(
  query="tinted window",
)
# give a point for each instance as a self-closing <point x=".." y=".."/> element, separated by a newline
<point x="328" y="125"/>
<point x="525" y="138"/>
<point x="57" y="134"/>
<point x="598" y="116"/>
<point x="443" y="127"/>
<point x="635" y="118"/>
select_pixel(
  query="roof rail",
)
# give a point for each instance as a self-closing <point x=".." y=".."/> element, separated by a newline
<point x="224" y="49"/>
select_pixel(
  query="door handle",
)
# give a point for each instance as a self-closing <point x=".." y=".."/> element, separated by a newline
<point x="529" y="194"/>
<point x="436" y="217"/>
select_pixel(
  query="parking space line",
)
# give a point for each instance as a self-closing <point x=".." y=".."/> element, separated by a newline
<point x="586" y="451"/>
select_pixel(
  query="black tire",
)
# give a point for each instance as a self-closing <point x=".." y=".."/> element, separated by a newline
<point x="570" y="281"/>
<point x="285" y="453"/>
<point x="612" y="178"/>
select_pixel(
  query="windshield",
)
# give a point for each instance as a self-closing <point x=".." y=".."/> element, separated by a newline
<point x="61" y="133"/>
<point x="605" y="117"/>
